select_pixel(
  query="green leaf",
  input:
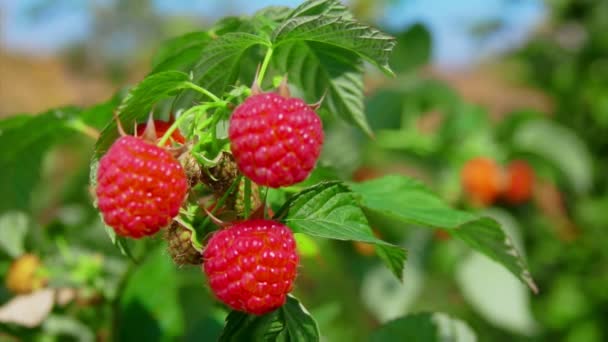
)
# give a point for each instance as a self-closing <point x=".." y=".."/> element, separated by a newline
<point x="120" y="242"/>
<point x="26" y="139"/>
<point x="388" y="298"/>
<point x="559" y="145"/>
<point x="479" y="279"/>
<point x="13" y="229"/>
<point x="365" y="41"/>
<point x="321" y="47"/>
<point x="425" y="327"/>
<point x="172" y="51"/>
<point x="413" y="49"/>
<point x="99" y="115"/>
<point x="325" y="70"/>
<point x="411" y="202"/>
<point x="138" y="103"/>
<point x="328" y="8"/>
<point x="149" y="306"/>
<point x="330" y="210"/>
<point x="292" y="322"/>
<point x="485" y="236"/>
<point x="220" y="61"/>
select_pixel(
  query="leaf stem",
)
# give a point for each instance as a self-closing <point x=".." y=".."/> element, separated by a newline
<point x="83" y="128"/>
<point x="182" y="117"/>
<point x="265" y="64"/>
<point x="204" y="92"/>
<point x="176" y="123"/>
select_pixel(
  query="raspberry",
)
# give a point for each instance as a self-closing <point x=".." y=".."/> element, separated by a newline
<point x="275" y="140"/>
<point x="482" y="180"/>
<point x="180" y="246"/>
<point x="520" y="182"/>
<point x="140" y="187"/>
<point x="251" y="266"/>
<point x="161" y="128"/>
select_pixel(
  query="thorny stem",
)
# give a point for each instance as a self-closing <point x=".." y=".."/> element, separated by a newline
<point x="265" y="64"/>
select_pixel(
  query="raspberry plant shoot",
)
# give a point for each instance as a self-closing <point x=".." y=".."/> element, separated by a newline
<point x="228" y="164"/>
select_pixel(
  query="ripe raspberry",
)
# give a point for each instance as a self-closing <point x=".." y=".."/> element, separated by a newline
<point x="520" y="182"/>
<point x="275" y="140"/>
<point x="482" y="180"/>
<point x="161" y="128"/>
<point x="140" y="187"/>
<point x="251" y="266"/>
<point x="180" y="246"/>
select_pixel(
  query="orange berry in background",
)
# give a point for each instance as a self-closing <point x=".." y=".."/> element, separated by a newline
<point x="482" y="180"/>
<point x="22" y="277"/>
<point x="520" y="182"/>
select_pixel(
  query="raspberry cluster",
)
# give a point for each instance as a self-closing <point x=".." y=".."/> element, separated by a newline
<point x="251" y="265"/>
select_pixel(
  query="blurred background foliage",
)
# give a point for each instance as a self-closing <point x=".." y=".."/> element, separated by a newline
<point x="503" y="79"/>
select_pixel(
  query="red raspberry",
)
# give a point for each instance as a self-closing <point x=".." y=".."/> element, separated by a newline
<point x="140" y="187"/>
<point x="251" y="266"/>
<point x="520" y="182"/>
<point x="275" y="140"/>
<point x="482" y="179"/>
<point x="161" y="128"/>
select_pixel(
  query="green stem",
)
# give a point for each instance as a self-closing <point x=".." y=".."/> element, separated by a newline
<point x="182" y="117"/>
<point x="265" y="64"/>
<point x="83" y="128"/>
<point x="204" y="92"/>
<point x="176" y="123"/>
<point x="247" y="197"/>
<point x="222" y="200"/>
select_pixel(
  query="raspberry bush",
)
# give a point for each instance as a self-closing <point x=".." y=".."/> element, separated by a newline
<point x="238" y="155"/>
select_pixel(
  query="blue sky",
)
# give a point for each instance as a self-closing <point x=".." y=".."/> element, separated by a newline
<point x="450" y="22"/>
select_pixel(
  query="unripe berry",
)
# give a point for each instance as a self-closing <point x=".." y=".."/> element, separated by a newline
<point x="251" y="265"/>
<point x="140" y="187"/>
<point x="180" y="246"/>
<point x="275" y="140"/>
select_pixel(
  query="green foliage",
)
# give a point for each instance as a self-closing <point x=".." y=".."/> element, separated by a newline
<point x="425" y="327"/>
<point x="29" y="138"/>
<point x="291" y="322"/>
<point x="138" y="103"/>
<point x="413" y="49"/>
<point x="560" y="146"/>
<point x="321" y="49"/>
<point x="14" y="226"/>
<point x="411" y="202"/>
<point x="330" y="210"/>
<point x="180" y="53"/>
